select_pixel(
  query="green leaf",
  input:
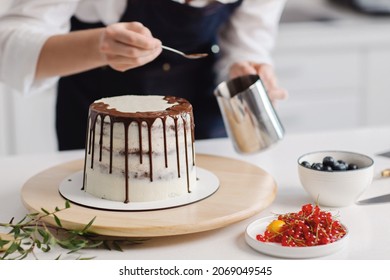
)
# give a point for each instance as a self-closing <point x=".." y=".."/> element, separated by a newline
<point x="23" y="256"/>
<point x="22" y="220"/>
<point x="106" y="245"/>
<point x="88" y="225"/>
<point x="57" y="220"/>
<point x="16" y="231"/>
<point x="13" y="248"/>
<point x="96" y="244"/>
<point x="86" y="259"/>
<point x="45" y="211"/>
<point x="21" y="250"/>
<point x="38" y="243"/>
<point x="28" y="231"/>
<point x="32" y="215"/>
<point x="46" y="249"/>
<point x="4" y="242"/>
<point x="45" y="235"/>
<point x="116" y="246"/>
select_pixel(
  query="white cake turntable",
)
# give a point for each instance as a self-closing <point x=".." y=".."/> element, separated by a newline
<point x="71" y="189"/>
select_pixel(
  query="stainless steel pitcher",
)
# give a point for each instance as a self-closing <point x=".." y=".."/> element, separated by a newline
<point x="250" y="119"/>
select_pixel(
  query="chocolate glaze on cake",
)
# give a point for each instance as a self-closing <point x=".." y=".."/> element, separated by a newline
<point x="101" y="114"/>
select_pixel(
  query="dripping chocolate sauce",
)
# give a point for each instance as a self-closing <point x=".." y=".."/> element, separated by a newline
<point x="101" y="110"/>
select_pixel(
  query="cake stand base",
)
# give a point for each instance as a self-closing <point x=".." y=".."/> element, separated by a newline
<point x="244" y="190"/>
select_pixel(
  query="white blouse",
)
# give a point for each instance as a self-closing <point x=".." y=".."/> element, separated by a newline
<point x="24" y="28"/>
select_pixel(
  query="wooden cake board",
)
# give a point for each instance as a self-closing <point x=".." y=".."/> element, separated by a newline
<point x="245" y="190"/>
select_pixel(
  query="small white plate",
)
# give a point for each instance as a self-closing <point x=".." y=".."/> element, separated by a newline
<point x="277" y="250"/>
<point x="70" y="188"/>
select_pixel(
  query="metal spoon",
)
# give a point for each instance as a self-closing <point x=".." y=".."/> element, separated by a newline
<point x="190" y="56"/>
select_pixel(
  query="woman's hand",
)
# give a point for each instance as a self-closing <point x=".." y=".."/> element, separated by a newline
<point x="266" y="73"/>
<point x="127" y="45"/>
<point x="122" y="46"/>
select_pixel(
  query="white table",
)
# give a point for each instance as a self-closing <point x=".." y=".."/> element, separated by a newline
<point x="369" y="225"/>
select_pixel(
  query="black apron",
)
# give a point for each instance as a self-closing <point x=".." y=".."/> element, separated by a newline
<point x="189" y="29"/>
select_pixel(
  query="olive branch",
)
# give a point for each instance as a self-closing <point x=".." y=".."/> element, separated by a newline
<point x="31" y="233"/>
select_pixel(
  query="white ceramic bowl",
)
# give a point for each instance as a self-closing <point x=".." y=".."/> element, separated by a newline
<point x="336" y="188"/>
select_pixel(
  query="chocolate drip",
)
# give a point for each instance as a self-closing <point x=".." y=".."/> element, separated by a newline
<point x="177" y="148"/>
<point x="111" y="141"/>
<point x="100" y="109"/>
<point x="186" y="153"/>
<point x="150" y="151"/>
<point x="85" y="158"/>
<point x="164" y="119"/>
<point x="92" y="139"/>
<point x="140" y="141"/>
<point x="126" y="126"/>
<point x="101" y="139"/>
<point x="192" y="138"/>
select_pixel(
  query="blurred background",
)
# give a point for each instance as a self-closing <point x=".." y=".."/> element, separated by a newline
<point x="333" y="56"/>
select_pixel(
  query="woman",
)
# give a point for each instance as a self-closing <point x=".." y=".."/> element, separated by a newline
<point x="104" y="48"/>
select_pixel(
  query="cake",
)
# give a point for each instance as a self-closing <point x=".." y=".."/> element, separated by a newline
<point x="139" y="148"/>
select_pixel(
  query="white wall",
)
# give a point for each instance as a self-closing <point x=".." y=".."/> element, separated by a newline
<point x="335" y="71"/>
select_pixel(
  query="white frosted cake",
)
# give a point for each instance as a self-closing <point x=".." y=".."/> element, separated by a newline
<point x="140" y="148"/>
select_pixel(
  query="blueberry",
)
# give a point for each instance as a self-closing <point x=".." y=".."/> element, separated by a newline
<point x="341" y="162"/>
<point x="327" y="168"/>
<point x="317" y="166"/>
<point x="340" y="167"/>
<point x="352" y="166"/>
<point x="330" y="164"/>
<point x="328" y="161"/>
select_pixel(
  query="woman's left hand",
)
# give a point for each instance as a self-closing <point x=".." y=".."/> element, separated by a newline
<point x="266" y="73"/>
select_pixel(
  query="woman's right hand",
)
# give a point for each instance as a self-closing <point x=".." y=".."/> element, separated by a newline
<point x="127" y="45"/>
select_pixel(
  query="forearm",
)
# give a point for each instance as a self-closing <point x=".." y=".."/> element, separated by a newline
<point x="71" y="53"/>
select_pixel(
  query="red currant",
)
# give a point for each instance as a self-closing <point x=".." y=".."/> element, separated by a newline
<point x="308" y="227"/>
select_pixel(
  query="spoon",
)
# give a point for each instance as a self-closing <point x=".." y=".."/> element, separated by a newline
<point x="190" y="56"/>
